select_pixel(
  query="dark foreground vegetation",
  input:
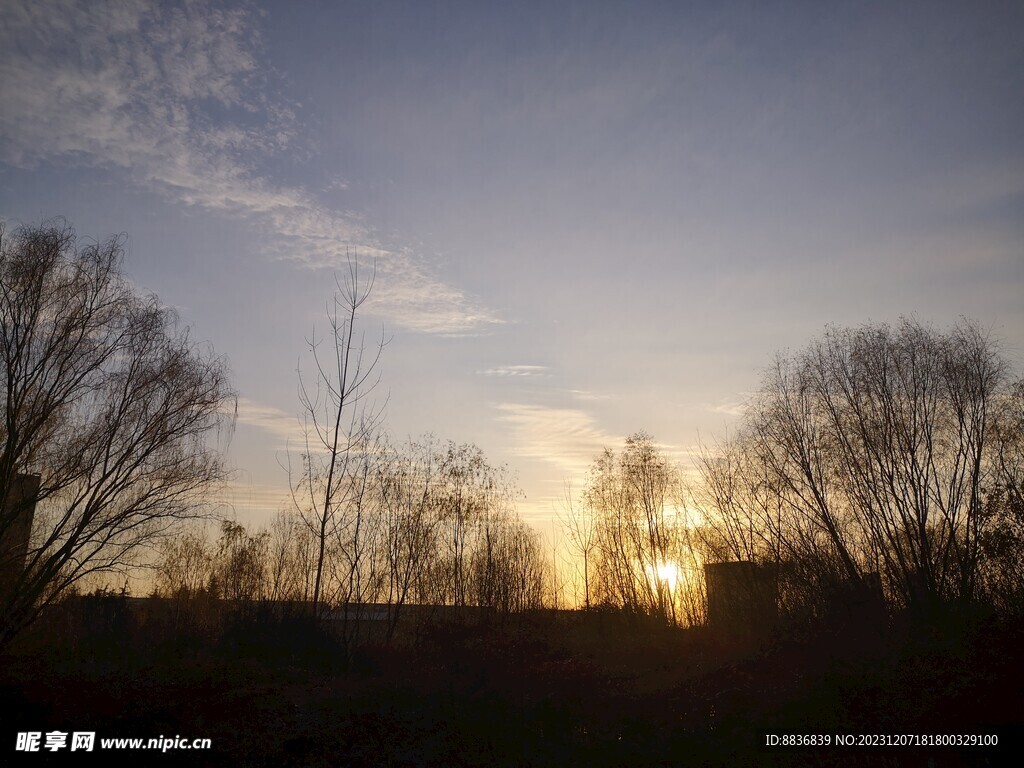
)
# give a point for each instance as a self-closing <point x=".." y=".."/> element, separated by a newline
<point x="541" y="688"/>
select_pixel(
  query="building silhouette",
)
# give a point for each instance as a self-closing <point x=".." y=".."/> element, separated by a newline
<point x="16" y="528"/>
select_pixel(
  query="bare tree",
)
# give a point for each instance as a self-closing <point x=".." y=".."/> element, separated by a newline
<point x="409" y="495"/>
<point x="507" y="565"/>
<point x="357" y="569"/>
<point x="338" y="425"/>
<point x="1002" y="535"/>
<point x="107" y="402"/>
<point x="239" y="565"/>
<point x="633" y="497"/>
<point x="871" y="451"/>
<point x="291" y="548"/>
<point x="470" y="494"/>
<point x="580" y="527"/>
<point x="185" y="565"/>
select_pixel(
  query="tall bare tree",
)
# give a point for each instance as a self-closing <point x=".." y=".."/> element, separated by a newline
<point x="340" y="424"/>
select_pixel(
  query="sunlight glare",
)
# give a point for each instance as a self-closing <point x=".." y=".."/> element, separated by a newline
<point x="668" y="573"/>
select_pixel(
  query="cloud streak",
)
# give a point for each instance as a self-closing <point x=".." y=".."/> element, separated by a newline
<point x="257" y="504"/>
<point x="515" y="371"/>
<point x="175" y="97"/>
<point x="286" y="427"/>
<point x="568" y="438"/>
<point x="732" y="407"/>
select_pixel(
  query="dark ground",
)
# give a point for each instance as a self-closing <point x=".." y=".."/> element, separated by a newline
<point x="565" y="690"/>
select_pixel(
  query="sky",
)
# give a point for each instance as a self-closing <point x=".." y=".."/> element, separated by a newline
<point x="587" y="219"/>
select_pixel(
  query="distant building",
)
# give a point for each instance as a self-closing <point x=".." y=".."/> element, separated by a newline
<point x="16" y="527"/>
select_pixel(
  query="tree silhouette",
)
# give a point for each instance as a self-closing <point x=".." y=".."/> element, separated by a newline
<point x="107" y="402"/>
<point x="340" y="432"/>
<point x="871" y="451"/>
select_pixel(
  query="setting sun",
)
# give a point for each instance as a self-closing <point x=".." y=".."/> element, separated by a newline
<point x="667" y="572"/>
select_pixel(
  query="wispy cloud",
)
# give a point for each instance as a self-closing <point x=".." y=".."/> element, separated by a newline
<point x="515" y="370"/>
<point x="568" y="438"/>
<point x="293" y="434"/>
<point x="256" y="504"/>
<point x="145" y="87"/>
<point x="286" y="427"/>
<point x="588" y="396"/>
<point x="734" y="407"/>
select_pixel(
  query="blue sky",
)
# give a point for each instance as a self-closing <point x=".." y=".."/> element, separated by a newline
<point x="587" y="218"/>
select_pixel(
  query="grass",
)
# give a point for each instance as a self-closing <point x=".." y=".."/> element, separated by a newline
<point x="544" y="689"/>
